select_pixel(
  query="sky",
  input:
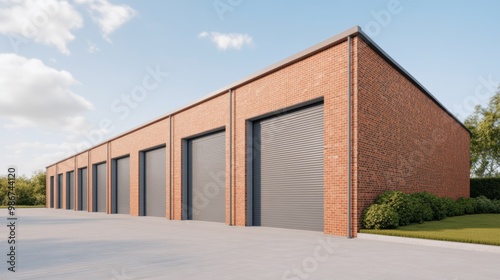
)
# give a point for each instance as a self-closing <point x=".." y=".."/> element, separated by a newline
<point x="77" y="72"/>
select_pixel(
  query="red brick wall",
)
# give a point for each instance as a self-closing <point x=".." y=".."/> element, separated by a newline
<point x="62" y="168"/>
<point x="323" y="75"/>
<point x="153" y="135"/>
<point x="405" y="141"/>
<point x="207" y="116"/>
<point x="400" y="138"/>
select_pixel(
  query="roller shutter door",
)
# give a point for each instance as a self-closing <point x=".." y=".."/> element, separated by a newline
<point x="59" y="190"/>
<point x="100" y="183"/>
<point x="121" y="192"/>
<point x="70" y="190"/>
<point x="51" y="191"/>
<point x="155" y="183"/>
<point x="288" y="171"/>
<point x="206" y="178"/>
<point x="82" y="189"/>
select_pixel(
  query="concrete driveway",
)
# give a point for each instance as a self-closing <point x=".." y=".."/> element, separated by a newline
<point x="59" y="244"/>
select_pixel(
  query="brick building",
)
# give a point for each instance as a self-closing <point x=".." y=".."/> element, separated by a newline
<point x="306" y="143"/>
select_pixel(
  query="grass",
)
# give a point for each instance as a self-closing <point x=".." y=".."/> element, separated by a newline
<point x="23" y="206"/>
<point x="479" y="228"/>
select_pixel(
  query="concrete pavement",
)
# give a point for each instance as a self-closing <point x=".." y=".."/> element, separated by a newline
<point x="60" y="244"/>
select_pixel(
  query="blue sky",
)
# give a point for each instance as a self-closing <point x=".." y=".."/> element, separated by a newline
<point x="68" y="66"/>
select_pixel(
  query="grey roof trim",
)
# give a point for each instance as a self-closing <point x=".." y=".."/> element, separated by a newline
<point x="339" y="38"/>
<point x="405" y="73"/>
<point x="266" y="71"/>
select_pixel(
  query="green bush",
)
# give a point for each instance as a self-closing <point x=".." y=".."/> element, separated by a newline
<point x="497" y="203"/>
<point x="380" y="216"/>
<point x="422" y="210"/>
<point x="467" y="204"/>
<point x="452" y="208"/>
<point x="400" y="202"/>
<point x="437" y="205"/>
<point x="489" y="187"/>
<point x="484" y="205"/>
<point x="29" y="191"/>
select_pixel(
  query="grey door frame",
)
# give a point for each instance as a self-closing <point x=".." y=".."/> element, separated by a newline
<point x="70" y="190"/>
<point x="249" y="127"/>
<point x="59" y="190"/>
<point x="142" y="177"/>
<point x="184" y="168"/>
<point x="51" y="182"/>
<point x="114" y="183"/>
<point x="80" y="189"/>
<point x="94" y="186"/>
<point x="186" y="212"/>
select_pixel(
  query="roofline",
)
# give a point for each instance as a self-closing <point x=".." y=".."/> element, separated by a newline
<point x="335" y="40"/>
<point x="407" y="75"/>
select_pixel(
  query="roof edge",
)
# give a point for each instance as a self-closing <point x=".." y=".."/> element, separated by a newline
<point x="407" y="75"/>
<point x="339" y="38"/>
<point x="266" y="71"/>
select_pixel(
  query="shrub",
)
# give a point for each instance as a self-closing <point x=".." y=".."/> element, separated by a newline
<point x="484" y="205"/>
<point x="452" y="208"/>
<point x="497" y="203"/>
<point x="423" y="211"/>
<point x="401" y="203"/>
<point x="380" y="216"/>
<point x="437" y="205"/>
<point x="468" y="204"/>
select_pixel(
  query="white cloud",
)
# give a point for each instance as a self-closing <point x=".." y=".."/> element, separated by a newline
<point x="49" y="22"/>
<point x="31" y="156"/>
<point x="228" y="41"/>
<point x="92" y="47"/>
<point x="35" y="95"/>
<point x="108" y="16"/>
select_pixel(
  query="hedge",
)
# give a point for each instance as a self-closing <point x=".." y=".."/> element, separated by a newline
<point x="395" y="208"/>
<point x="489" y="187"/>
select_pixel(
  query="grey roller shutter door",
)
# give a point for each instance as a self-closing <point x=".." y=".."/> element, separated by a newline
<point x="83" y="190"/>
<point x="288" y="169"/>
<point x="155" y="183"/>
<point x="123" y="185"/>
<point x="70" y="190"/>
<point x="206" y="178"/>
<point x="59" y="190"/>
<point x="51" y="191"/>
<point x="101" y="187"/>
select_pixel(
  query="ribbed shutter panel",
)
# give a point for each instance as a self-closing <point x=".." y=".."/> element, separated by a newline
<point x="288" y="170"/>
<point x="156" y="182"/>
<point x="71" y="190"/>
<point x="123" y="185"/>
<point x="206" y="178"/>
<point x="51" y="191"/>
<point x="83" y="189"/>
<point x="101" y="187"/>
<point x="59" y="190"/>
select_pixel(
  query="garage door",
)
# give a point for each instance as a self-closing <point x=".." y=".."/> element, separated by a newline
<point x="155" y="183"/>
<point x="59" y="190"/>
<point x="99" y="192"/>
<point x="121" y="186"/>
<point x="70" y="190"/>
<point x="288" y="170"/>
<point x="82" y="189"/>
<point x="51" y="191"/>
<point x="206" y="178"/>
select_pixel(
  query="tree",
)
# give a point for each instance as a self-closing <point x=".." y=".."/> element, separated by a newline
<point x="29" y="191"/>
<point x="484" y="124"/>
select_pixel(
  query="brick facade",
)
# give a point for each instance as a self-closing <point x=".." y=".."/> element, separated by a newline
<point x="400" y="137"/>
